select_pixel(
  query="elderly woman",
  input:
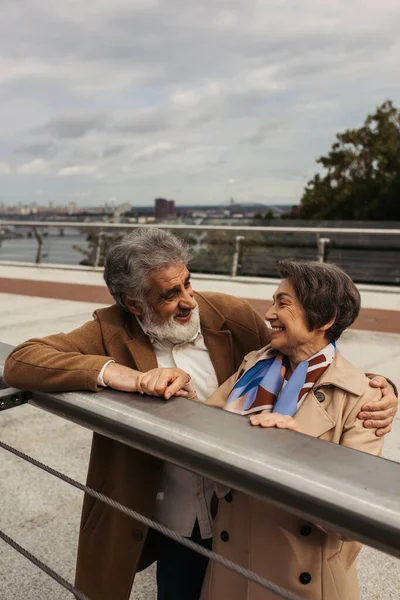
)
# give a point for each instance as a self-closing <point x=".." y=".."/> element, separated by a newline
<point x="301" y="382"/>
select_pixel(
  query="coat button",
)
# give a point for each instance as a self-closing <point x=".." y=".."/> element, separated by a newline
<point x="224" y="536"/>
<point x="229" y="497"/>
<point x="306" y="530"/>
<point x="305" y="578"/>
<point x="137" y="535"/>
<point x="320" y="396"/>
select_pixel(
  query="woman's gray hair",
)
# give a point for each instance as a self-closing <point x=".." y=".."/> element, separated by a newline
<point x="325" y="292"/>
<point x="130" y="262"/>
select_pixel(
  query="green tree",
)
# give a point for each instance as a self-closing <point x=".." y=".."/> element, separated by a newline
<point x="362" y="178"/>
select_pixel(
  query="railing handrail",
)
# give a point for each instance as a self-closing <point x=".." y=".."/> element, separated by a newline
<point x="166" y="225"/>
<point x="351" y="492"/>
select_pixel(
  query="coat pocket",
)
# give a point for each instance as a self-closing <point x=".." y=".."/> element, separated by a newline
<point x="349" y="553"/>
<point x="95" y="513"/>
<point x="343" y="575"/>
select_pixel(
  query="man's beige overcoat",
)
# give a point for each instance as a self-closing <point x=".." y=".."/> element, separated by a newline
<point x="110" y="543"/>
<point x="279" y="546"/>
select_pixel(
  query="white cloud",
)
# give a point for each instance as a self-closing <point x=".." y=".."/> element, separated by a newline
<point x="77" y="170"/>
<point x="37" y="165"/>
<point x="174" y="98"/>
<point x="156" y="150"/>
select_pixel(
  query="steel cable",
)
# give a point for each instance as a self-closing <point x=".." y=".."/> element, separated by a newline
<point x="257" y="579"/>
<point x="48" y="570"/>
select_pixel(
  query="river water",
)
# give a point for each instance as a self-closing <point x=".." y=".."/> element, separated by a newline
<point x="56" y="249"/>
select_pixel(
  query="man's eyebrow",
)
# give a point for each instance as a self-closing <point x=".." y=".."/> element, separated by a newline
<point x="172" y="290"/>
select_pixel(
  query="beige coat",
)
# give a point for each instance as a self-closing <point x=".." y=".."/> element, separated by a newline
<point x="275" y="544"/>
<point x="111" y="544"/>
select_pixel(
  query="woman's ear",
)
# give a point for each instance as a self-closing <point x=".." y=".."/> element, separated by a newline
<point x="132" y="305"/>
<point x="328" y="325"/>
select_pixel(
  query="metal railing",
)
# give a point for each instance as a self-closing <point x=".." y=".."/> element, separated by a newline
<point x="350" y="492"/>
<point x="367" y="254"/>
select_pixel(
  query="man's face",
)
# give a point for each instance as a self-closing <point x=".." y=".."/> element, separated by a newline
<point x="170" y="297"/>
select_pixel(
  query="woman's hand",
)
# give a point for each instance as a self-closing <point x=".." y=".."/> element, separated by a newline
<point x="268" y="419"/>
<point x="164" y="382"/>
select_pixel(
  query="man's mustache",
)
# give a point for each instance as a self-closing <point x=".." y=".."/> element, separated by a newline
<point x="184" y="312"/>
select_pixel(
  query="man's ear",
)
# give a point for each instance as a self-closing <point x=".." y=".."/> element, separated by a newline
<point x="132" y="305"/>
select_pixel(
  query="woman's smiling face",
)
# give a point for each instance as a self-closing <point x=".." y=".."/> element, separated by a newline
<point x="290" y="332"/>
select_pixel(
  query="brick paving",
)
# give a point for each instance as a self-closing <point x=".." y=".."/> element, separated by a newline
<point x="370" y="319"/>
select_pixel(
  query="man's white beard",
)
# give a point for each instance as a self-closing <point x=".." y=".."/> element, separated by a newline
<point x="170" y="330"/>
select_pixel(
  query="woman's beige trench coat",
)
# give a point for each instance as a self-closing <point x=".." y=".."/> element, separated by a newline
<point x="275" y="544"/>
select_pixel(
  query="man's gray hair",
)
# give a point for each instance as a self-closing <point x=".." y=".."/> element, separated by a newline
<point x="130" y="262"/>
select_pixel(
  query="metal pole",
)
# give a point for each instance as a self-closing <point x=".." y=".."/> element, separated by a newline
<point x="39" y="239"/>
<point x="321" y="244"/>
<point x="98" y="224"/>
<point x="235" y="259"/>
<point x="99" y="245"/>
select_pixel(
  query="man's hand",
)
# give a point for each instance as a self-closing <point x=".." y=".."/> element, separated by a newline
<point x="156" y="382"/>
<point x="121" y="378"/>
<point x="164" y="382"/>
<point x="274" y="420"/>
<point x="379" y="415"/>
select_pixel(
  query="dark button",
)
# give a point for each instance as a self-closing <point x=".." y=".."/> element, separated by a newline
<point x="305" y="578"/>
<point x="137" y="535"/>
<point x="224" y="536"/>
<point x="320" y="396"/>
<point x="306" y="530"/>
<point x="229" y="497"/>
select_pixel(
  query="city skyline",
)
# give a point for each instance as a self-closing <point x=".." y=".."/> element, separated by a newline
<point x="197" y="103"/>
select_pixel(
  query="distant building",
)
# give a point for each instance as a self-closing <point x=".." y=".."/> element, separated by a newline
<point x="164" y="209"/>
<point x="161" y="209"/>
<point x="72" y="208"/>
<point x="171" y="208"/>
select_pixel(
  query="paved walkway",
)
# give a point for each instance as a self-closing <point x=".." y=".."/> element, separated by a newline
<point x="380" y="304"/>
<point x="42" y="513"/>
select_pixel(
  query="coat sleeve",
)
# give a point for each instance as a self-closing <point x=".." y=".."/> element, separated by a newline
<point x="220" y="396"/>
<point x="354" y="434"/>
<point x="61" y="362"/>
<point x="263" y="331"/>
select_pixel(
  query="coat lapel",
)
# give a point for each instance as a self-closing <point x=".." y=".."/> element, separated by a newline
<point x="219" y="346"/>
<point x="312" y="415"/>
<point x="217" y="338"/>
<point x="139" y="347"/>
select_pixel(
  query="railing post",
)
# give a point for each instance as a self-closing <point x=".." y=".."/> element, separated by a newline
<point x="99" y="245"/>
<point x="39" y="239"/>
<point x="321" y="245"/>
<point x="235" y="259"/>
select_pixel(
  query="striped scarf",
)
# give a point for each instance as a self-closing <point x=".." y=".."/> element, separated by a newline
<point x="265" y="387"/>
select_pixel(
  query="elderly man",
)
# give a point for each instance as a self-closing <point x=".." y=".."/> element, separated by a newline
<point x="157" y="322"/>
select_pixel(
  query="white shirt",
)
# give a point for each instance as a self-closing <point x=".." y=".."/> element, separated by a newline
<point x="185" y="496"/>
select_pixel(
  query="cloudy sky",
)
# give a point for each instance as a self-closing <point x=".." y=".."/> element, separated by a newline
<point x="196" y="101"/>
